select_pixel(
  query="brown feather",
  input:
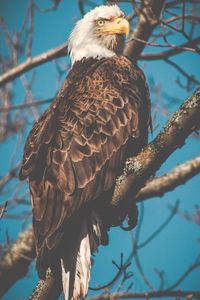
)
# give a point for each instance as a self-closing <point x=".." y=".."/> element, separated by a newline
<point x="76" y="149"/>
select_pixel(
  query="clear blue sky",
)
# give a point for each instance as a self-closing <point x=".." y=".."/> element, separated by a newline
<point x="176" y="247"/>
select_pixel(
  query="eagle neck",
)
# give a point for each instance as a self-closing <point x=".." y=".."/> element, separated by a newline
<point x="90" y="51"/>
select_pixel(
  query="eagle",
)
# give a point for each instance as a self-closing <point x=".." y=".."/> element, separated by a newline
<point x="79" y="145"/>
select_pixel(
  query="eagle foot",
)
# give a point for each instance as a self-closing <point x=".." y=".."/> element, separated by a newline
<point x="132" y="217"/>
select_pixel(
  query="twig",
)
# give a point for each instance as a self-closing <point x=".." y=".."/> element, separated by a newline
<point x="121" y="268"/>
<point x="161" y="227"/>
<point x="148" y="295"/>
<point x="141" y="271"/>
<point x="167" y="45"/>
<point x="11" y="174"/>
<point x="30" y="31"/>
<point x="171" y="52"/>
<point x="191" y="268"/>
<point x="190" y="79"/>
<point x="3" y="209"/>
<point x="26" y="105"/>
<point x="81" y="7"/>
<point x="31" y="63"/>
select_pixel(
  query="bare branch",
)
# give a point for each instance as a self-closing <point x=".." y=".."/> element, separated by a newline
<point x="30" y="32"/>
<point x="3" y="209"/>
<point x="11" y="174"/>
<point x="31" y="63"/>
<point x="147" y="295"/>
<point x="50" y="288"/>
<point x="122" y="268"/>
<point x="171" y="52"/>
<point x="15" y="263"/>
<point x="193" y="266"/>
<point x="26" y="105"/>
<point x="179" y="175"/>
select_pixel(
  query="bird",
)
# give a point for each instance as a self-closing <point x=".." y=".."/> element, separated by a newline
<point x="78" y="147"/>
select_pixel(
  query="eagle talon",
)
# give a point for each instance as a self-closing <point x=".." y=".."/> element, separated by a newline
<point x="128" y="228"/>
<point x="132" y="217"/>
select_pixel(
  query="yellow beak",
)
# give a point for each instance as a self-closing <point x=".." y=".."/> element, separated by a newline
<point x="117" y="26"/>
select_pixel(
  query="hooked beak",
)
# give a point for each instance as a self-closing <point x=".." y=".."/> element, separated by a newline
<point x="117" y="26"/>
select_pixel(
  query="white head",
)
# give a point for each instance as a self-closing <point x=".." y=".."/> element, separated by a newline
<point x="101" y="33"/>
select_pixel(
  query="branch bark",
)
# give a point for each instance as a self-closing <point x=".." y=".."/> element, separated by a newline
<point x="147" y="295"/>
<point x="168" y="182"/>
<point x="50" y="288"/>
<point x="15" y="263"/>
<point x="147" y="21"/>
<point x="139" y="169"/>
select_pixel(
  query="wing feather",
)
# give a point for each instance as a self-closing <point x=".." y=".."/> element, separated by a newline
<point x="76" y="149"/>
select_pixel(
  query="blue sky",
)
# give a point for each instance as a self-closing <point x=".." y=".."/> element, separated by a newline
<point x="176" y="247"/>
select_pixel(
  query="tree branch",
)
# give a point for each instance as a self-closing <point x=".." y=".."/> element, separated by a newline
<point x="15" y="263"/>
<point x="148" y="19"/>
<point x="50" y="288"/>
<point x="26" y="105"/>
<point x="178" y="176"/>
<point x="31" y="63"/>
<point x="170" y="52"/>
<point x="147" y="295"/>
<point x="139" y="169"/>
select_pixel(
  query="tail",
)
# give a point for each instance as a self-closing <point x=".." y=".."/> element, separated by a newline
<point x="76" y="261"/>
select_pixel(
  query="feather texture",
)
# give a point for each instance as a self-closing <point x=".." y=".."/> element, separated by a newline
<point x="76" y="270"/>
<point x="76" y="150"/>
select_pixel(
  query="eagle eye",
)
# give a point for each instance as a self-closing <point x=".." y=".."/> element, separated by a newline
<point x="100" y="22"/>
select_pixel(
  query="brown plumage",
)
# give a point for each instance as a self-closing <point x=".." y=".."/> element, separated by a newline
<point x="77" y="148"/>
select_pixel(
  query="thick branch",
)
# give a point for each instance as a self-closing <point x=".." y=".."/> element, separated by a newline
<point x="139" y="169"/>
<point x="147" y="295"/>
<point x="147" y="21"/>
<point x="15" y="263"/>
<point x="50" y="288"/>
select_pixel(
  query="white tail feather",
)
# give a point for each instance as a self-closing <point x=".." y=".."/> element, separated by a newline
<point x="76" y="278"/>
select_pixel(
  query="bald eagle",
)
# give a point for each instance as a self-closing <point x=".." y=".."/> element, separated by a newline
<point x="78" y="147"/>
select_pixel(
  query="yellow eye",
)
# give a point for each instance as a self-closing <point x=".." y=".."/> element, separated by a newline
<point x="101" y="22"/>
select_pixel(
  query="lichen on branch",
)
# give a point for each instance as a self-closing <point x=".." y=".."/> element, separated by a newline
<point x="139" y="169"/>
